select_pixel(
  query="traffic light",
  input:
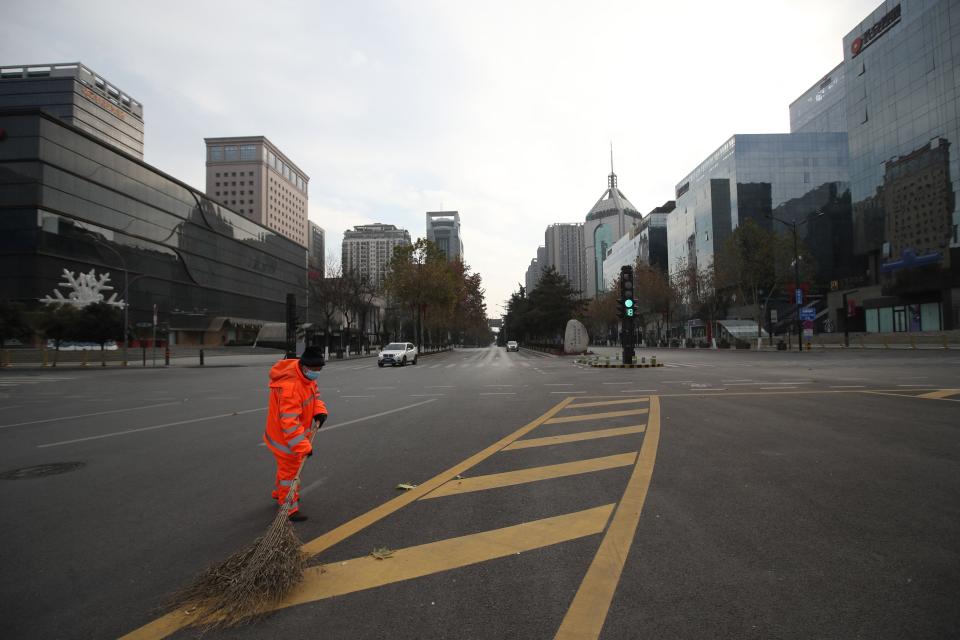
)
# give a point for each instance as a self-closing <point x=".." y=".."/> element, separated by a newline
<point x="626" y="301"/>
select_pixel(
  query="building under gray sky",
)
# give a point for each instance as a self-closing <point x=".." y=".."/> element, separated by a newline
<point x="78" y="96"/>
<point x="443" y="230"/>
<point x="251" y="176"/>
<point x="368" y="248"/>
<point x="610" y="219"/>
<point x="563" y="250"/>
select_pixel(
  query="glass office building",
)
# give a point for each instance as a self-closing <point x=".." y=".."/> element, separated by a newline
<point x="70" y="201"/>
<point x="903" y="119"/>
<point x="791" y="176"/>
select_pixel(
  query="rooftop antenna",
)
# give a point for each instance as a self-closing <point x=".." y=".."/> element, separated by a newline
<point x="612" y="180"/>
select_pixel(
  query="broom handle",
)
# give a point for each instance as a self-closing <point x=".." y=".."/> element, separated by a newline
<point x="296" y="479"/>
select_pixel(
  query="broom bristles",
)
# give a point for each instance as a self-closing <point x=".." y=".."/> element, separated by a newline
<point x="248" y="583"/>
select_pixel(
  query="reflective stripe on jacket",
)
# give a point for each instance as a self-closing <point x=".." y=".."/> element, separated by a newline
<point x="294" y="400"/>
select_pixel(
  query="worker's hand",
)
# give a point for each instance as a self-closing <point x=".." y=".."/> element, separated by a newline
<point x="319" y="419"/>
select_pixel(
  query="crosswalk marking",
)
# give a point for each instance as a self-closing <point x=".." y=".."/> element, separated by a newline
<point x="533" y="474"/>
<point x="596" y="416"/>
<point x="14" y="381"/>
<point x="575" y="437"/>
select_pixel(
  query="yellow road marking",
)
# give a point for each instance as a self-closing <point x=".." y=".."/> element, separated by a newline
<point x="340" y="578"/>
<point x="587" y="613"/>
<point x="596" y="416"/>
<point x="171" y="622"/>
<point x="942" y="394"/>
<point x="574" y="437"/>
<point x="704" y="393"/>
<point x="607" y="402"/>
<point x="534" y="474"/>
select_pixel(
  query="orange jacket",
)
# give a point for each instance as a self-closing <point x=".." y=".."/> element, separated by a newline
<point x="294" y="401"/>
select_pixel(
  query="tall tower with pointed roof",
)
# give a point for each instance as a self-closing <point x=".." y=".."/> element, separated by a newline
<point x="609" y="220"/>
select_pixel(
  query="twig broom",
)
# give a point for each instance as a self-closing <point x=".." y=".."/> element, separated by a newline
<point x="250" y="581"/>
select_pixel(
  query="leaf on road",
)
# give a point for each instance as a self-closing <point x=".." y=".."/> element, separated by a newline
<point x="406" y="486"/>
<point x="382" y="553"/>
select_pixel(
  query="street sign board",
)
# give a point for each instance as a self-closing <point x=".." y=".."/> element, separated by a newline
<point x="808" y="314"/>
<point x="799" y="296"/>
<point x="773" y="315"/>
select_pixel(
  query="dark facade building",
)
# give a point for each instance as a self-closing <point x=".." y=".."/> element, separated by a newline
<point x="70" y="201"/>
<point x="80" y="97"/>
<point x="901" y="70"/>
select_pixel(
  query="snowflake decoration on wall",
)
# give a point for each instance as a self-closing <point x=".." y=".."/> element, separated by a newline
<point x="85" y="289"/>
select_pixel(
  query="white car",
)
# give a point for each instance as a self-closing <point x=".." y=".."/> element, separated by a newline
<point x="397" y="353"/>
<point x="513" y="346"/>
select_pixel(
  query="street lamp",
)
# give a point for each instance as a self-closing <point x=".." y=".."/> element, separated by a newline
<point x="126" y="294"/>
<point x="793" y="224"/>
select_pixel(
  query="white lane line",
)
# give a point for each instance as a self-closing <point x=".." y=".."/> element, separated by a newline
<point x="156" y="426"/>
<point x="88" y="415"/>
<point x="913" y="385"/>
<point x="451" y="365"/>
<point x="434" y="366"/>
<point x="848" y="386"/>
<point x="376" y="415"/>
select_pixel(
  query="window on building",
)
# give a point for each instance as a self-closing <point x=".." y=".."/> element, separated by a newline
<point x="248" y="152"/>
<point x="231" y="152"/>
<point x="215" y="154"/>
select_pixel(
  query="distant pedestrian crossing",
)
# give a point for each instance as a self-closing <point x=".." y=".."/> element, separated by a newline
<point x="16" y="381"/>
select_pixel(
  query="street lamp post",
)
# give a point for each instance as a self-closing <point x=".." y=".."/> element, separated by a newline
<point x="126" y="294"/>
<point x="796" y="276"/>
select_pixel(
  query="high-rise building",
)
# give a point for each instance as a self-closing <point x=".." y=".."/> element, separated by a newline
<point x="609" y="220"/>
<point x="823" y="107"/>
<point x="255" y="179"/>
<point x="644" y="244"/>
<point x="211" y="275"/>
<point x="563" y="251"/>
<point x="368" y="249"/>
<point x="80" y="97"/>
<point x="316" y="250"/>
<point x="902" y="65"/>
<point x="443" y="230"/>
<point x="791" y="176"/>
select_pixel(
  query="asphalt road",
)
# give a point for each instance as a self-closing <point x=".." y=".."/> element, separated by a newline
<point x="725" y="495"/>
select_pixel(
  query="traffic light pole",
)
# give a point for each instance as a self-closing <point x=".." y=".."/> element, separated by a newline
<point x="625" y="310"/>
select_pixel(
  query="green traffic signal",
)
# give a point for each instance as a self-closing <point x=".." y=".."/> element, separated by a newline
<point x="628" y="303"/>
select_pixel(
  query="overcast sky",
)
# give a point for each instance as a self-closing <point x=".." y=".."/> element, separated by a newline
<point x="503" y="111"/>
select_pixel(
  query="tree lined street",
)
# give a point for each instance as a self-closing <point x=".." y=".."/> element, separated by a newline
<point x="779" y="495"/>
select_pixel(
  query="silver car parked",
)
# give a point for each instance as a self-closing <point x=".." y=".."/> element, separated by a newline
<point x="397" y="353"/>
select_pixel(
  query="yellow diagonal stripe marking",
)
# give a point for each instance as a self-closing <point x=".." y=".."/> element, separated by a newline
<point x="533" y="474"/>
<point x="167" y="624"/>
<point x="575" y="437"/>
<point x="587" y="613"/>
<point x="937" y="395"/>
<point x="596" y="416"/>
<point x="414" y="562"/>
<point x="602" y="403"/>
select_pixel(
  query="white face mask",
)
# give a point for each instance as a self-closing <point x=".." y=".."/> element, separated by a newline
<point x="312" y="375"/>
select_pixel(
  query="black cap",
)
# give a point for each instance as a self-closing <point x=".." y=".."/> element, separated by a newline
<point x="312" y="357"/>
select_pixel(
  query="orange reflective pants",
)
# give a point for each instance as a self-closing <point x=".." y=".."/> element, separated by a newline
<point x="287" y="467"/>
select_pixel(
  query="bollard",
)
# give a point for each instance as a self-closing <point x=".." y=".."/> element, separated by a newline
<point x="201" y="357"/>
<point x="83" y="358"/>
<point x="166" y="357"/>
<point x="43" y="351"/>
<point x="653" y="361"/>
<point x="144" y="349"/>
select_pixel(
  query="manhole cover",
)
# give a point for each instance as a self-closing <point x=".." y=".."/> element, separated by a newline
<point x="41" y="470"/>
